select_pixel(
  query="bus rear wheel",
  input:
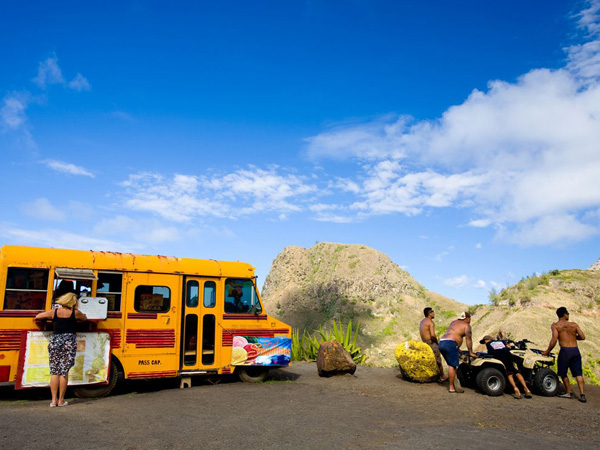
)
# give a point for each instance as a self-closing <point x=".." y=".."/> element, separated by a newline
<point x="253" y="374"/>
<point x="99" y="390"/>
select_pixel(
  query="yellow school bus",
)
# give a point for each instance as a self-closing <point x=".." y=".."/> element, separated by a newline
<point x="167" y="316"/>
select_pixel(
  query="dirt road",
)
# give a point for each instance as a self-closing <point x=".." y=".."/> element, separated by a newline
<point x="297" y="409"/>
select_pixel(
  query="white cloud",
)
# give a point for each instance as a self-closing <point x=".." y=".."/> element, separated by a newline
<point x="137" y="230"/>
<point x="177" y="199"/>
<point x="519" y="155"/>
<point x="161" y="234"/>
<point x="48" y="73"/>
<point x="12" y="114"/>
<point x="334" y="218"/>
<point x="457" y="282"/>
<point x="375" y="139"/>
<point x="480" y="284"/>
<point x="14" y="121"/>
<point x="68" y="168"/>
<point x="79" y="83"/>
<point x="554" y="228"/>
<point x="116" y="226"/>
<point x="480" y="223"/>
<point x="42" y="209"/>
<point x="60" y="239"/>
<point x="239" y="193"/>
<point x="584" y="59"/>
<point x="478" y="246"/>
<point x="440" y="256"/>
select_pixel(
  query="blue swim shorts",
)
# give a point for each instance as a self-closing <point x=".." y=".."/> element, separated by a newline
<point x="449" y="351"/>
<point x="569" y="358"/>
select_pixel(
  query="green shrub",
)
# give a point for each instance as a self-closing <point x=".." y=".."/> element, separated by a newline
<point x="494" y="297"/>
<point x="305" y="347"/>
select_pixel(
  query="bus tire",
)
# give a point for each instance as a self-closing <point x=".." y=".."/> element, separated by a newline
<point x="99" y="390"/>
<point x="256" y="374"/>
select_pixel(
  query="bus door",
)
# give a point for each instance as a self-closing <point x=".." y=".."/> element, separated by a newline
<point x="151" y="325"/>
<point x="199" y="325"/>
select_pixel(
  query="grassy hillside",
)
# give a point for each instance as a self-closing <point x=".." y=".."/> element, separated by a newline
<point x="310" y="287"/>
<point x="527" y="309"/>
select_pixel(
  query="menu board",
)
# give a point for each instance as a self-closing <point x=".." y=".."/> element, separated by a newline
<point x="95" y="308"/>
<point x="91" y="361"/>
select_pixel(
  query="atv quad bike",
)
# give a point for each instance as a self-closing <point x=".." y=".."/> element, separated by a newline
<point x="488" y="374"/>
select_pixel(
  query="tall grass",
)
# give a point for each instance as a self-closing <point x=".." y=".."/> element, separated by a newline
<point x="305" y="346"/>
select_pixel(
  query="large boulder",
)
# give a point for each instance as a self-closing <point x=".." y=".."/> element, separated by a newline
<point x="417" y="362"/>
<point x="334" y="359"/>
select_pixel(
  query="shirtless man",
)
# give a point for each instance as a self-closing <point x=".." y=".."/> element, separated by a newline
<point x="451" y="342"/>
<point x="567" y="334"/>
<point x="427" y="330"/>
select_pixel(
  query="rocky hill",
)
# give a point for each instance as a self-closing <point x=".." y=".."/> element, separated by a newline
<point x="527" y="309"/>
<point x="309" y="287"/>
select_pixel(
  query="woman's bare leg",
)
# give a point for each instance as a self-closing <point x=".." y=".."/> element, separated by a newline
<point x="64" y="380"/>
<point x="511" y="380"/>
<point x="54" y="383"/>
<point x="522" y="381"/>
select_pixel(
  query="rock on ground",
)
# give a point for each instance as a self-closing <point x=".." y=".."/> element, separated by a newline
<point x="333" y="359"/>
<point x="417" y="361"/>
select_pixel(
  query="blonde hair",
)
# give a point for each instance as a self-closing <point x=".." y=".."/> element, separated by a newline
<point x="68" y="300"/>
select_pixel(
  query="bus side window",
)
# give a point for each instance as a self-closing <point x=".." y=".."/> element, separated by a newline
<point x="110" y="285"/>
<point x="26" y="288"/>
<point x="210" y="294"/>
<point x="81" y="288"/>
<point x="152" y="299"/>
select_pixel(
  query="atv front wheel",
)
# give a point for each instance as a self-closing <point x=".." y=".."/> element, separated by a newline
<point x="490" y="381"/>
<point x="545" y="382"/>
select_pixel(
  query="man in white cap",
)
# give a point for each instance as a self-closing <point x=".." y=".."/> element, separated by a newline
<point x="451" y="341"/>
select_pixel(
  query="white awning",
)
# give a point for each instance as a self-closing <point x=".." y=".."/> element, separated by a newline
<point x="75" y="274"/>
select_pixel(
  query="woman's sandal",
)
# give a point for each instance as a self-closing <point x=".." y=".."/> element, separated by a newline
<point x="64" y="404"/>
<point x="517" y="396"/>
<point x="52" y="405"/>
<point x="527" y="395"/>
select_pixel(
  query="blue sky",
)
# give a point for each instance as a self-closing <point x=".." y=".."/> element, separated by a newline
<point x="460" y="138"/>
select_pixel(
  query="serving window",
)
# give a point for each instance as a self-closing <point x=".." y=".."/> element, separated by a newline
<point x="26" y="288"/>
<point x="110" y="285"/>
<point x="152" y="299"/>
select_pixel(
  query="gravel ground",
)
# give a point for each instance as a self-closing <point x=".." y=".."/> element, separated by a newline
<point x="298" y="409"/>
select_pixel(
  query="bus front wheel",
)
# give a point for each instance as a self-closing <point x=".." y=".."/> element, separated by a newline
<point x="99" y="390"/>
<point x="253" y="374"/>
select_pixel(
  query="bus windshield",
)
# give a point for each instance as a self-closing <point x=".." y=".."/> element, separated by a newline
<point x="241" y="297"/>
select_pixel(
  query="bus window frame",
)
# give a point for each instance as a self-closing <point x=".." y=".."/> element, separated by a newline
<point x="119" y="293"/>
<point x="7" y="289"/>
<point x="136" y="299"/>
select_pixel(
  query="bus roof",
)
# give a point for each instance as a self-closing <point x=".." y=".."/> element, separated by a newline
<point x="20" y="256"/>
